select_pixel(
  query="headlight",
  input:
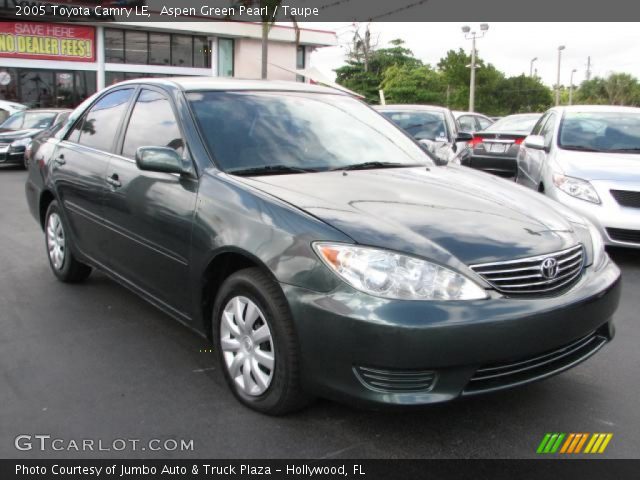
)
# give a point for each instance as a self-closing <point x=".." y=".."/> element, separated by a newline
<point x="391" y="275"/>
<point x="597" y="244"/>
<point x="22" y="142"/>
<point x="576" y="187"/>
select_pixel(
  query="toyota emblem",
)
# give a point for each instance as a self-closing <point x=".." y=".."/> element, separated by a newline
<point x="549" y="268"/>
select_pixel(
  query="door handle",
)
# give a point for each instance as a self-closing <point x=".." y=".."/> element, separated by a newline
<point x="59" y="160"/>
<point x="114" y="181"/>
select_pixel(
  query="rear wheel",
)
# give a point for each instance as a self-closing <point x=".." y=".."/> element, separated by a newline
<point x="61" y="259"/>
<point x="256" y="343"/>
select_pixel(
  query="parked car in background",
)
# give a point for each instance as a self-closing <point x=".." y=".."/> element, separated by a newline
<point x="435" y="127"/>
<point x="588" y="158"/>
<point x="9" y="108"/>
<point x="317" y="245"/>
<point x="17" y="131"/>
<point x="471" y="122"/>
<point x="495" y="149"/>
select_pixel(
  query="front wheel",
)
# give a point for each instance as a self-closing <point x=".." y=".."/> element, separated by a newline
<point x="63" y="263"/>
<point x="256" y="343"/>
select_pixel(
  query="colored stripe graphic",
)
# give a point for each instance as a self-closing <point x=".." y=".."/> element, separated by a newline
<point x="573" y="443"/>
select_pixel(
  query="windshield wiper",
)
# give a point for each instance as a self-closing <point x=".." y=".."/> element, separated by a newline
<point x="373" y="165"/>
<point x="269" y="170"/>
<point x="580" y="148"/>
<point x="622" y="150"/>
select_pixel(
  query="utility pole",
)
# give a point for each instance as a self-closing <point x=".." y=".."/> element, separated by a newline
<point x="588" y="72"/>
<point x="560" y="48"/>
<point x="469" y="35"/>
<point x="531" y="66"/>
<point x="571" y="87"/>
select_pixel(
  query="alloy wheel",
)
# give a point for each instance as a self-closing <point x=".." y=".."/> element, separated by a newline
<point x="56" y="241"/>
<point x="247" y="346"/>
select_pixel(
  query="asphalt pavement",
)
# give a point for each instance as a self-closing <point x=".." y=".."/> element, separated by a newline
<point x="96" y="362"/>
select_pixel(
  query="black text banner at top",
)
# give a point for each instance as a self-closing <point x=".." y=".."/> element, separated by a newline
<point x="318" y="10"/>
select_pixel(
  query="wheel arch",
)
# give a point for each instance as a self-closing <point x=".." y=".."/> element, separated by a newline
<point x="223" y="263"/>
<point x="46" y="197"/>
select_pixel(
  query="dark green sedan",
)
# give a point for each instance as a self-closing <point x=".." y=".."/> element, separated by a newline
<point x="317" y="245"/>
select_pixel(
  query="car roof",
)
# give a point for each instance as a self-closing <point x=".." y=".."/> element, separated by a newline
<point x="459" y="113"/>
<point x="197" y="83"/>
<point x="48" y="110"/>
<point x="597" y="108"/>
<point x="411" y="107"/>
<point x="12" y="104"/>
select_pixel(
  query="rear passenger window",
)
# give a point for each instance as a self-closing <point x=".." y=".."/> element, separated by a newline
<point x="467" y="123"/>
<point x="152" y="124"/>
<point x="99" y="126"/>
<point x="484" y="123"/>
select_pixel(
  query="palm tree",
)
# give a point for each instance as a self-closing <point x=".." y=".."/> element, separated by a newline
<point x="268" y="19"/>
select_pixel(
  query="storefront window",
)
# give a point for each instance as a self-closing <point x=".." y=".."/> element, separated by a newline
<point x="114" y="45"/>
<point x="159" y="49"/>
<point x="201" y="52"/>
<point x="225" y="57"/>
<point x="300" y="62"/>
<point x="47" y="88"/>
<point x="37" y="88"/>
<point x="136" y="47"/>
<point x="181" y="51"/>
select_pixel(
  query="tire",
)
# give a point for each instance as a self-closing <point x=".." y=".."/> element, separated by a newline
<point x="62" y="261"/>
<point x="262" y="303"/>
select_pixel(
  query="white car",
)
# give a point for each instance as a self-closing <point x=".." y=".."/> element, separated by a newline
<point x="588" y="158"/>
<point x="9" y="108"/>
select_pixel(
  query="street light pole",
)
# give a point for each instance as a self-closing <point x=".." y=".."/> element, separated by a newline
<point x="469" y="35"/>
<point x="531" y="66"/>
<point x="560" y="48"/>
<point x="571" y="87"/>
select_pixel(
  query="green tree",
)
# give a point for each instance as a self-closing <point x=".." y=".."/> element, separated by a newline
<point x="409" y="84"/>
<point x="367" y="81"/>
<point x="522" y="94"/>
<point x="616" y="89"/>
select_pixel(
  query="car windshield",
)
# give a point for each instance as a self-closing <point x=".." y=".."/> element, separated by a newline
<point x="515" y="123"/>
<point x="26" y="120"/>
<point x="292" y="132"/>
<point x="601" y="131"/>
<point x="421" y="125"/>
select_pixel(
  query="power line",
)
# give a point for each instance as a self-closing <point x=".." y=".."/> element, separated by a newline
<point x="400" y="9"/>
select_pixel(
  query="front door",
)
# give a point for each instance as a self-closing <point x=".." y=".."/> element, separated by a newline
<point x="150" y="213"/>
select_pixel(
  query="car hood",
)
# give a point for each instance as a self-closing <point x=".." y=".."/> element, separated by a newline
<point x="434" y="213"/>
<point x="11" y="135"/>
<point x="624" y="167"/>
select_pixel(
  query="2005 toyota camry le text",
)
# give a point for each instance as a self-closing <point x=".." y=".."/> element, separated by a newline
<point x="317" y="245"/>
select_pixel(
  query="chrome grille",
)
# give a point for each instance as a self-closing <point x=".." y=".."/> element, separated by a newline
<point x="396" y="381"/>
<point x="526" y="276"/>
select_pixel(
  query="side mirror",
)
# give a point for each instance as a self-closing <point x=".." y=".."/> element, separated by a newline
<point x="535" y="141"/>
<point x="159" y="159"/>
<point x="464" y="137"/>
<point x="440" y="156"/>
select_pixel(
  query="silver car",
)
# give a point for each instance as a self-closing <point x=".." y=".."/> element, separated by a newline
<point x="588" y="158"/>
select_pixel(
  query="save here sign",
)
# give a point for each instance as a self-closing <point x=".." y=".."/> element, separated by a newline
<point x="47" y="41"/>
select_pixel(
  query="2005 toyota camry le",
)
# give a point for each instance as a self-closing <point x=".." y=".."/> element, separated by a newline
<point x="318" y="246"/>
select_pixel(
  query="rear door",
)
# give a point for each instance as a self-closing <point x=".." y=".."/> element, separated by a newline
<point x="529" y="158"/>
<point x="150" y="213"/>
<point x="79" y="166"/>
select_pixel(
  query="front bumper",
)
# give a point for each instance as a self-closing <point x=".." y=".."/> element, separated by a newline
<point x="608" y="216"/>
<point x="346" y="335"/>
<point x="11" y="157"/>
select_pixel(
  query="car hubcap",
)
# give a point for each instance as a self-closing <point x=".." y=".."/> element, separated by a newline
<point x="55" y="241"/>
<point x="247" y="346"/>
